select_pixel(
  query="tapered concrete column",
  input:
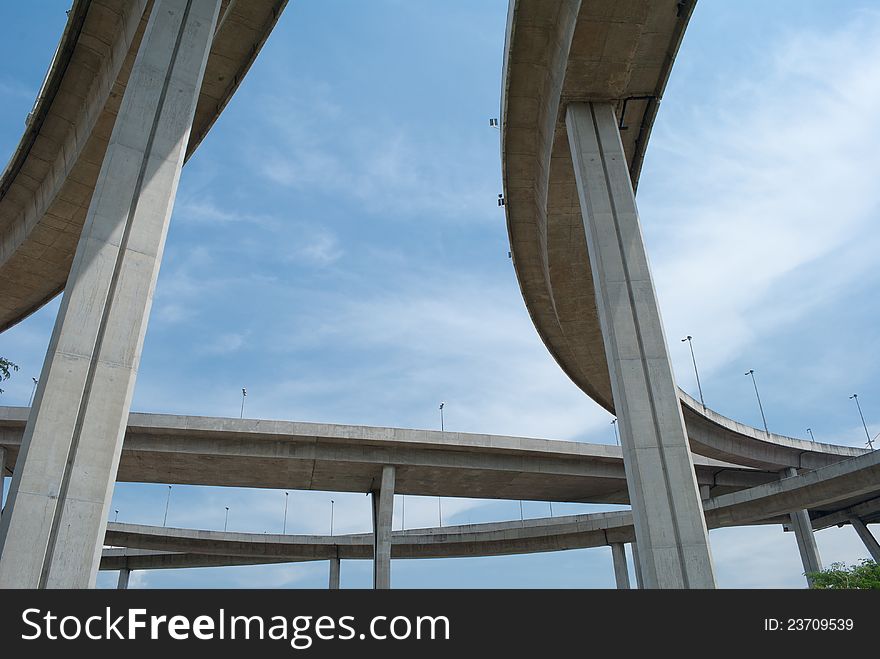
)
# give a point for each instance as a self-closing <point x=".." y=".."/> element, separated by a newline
<point x="124" y="574"/>
<point x="803" y="532"/>
<point x="52" y="534"/>
<point x="383" y="510"/>
<point x="867" y="537"/>
<point x="668" y="516"/>
<point x="621" y="573"/>
<point x="334" y="573"/>
<point x="637" y="566"/>
<point x="2" y="474"/>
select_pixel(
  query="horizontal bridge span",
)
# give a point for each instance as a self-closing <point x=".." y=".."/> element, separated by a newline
<point x="342" y="458"/>
<point x="828" y="493"/>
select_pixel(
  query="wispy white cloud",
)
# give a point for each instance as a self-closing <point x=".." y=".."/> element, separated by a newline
<point x="225" y="344"/>
<point x="403" y="170"/>
<point x="780" y="174"/>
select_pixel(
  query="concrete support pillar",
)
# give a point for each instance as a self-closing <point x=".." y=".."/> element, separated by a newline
<point x="621" y="573"/>
<point x="867" y="537"/>
<point x="53" y="532"/>
<point x="124" y="574"/>
<point x="334" y="573"/>
<point x="383" y="510"/>
<point x="637" y="564"/>
<point x="803" y="532"/>
<point x="2" y="474"/>
<point x="668" y="515"/>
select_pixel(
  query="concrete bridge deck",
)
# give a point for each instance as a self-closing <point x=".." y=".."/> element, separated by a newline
<point x="833" y="495"/>
<point x="339" y="458"/>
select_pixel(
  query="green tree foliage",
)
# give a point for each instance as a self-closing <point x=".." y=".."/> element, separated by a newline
<point x="6" y="370"/>
<point x="865" y="575"/>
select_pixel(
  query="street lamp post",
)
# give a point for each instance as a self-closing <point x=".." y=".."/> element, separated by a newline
<point x="33" y="391"/>
<point x="284" y="527"/>
<point x="167" y="503"/>
<point x="331" y="516"/>
<point x="442" y="405"/>
<point x="402" y="512"/>
<point x="690" y="341"/>
<point x="243" y="396"/>
<point x="810" y="430"/>
<point x="870" y="442"/>
<point x="116" y="518"/>
<point x="751" y="372"/>
<point x="440" y="510"/>
<point x="226" y="521"/>
<point x="616" y="432"/>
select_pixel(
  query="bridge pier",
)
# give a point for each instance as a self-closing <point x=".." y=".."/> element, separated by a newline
<point x="867" y="537"/>
<point x="621" y="573"/>
<point x="637" y="566"/>
<point x="51" y="535"/>
<point x="803" y="532"/>
<point x="335" y="565"/>
<point x="122" y="583"/>
<point x="669" y="522"/>
<point x="383" y="509"/>
<point x="2" y="475"/>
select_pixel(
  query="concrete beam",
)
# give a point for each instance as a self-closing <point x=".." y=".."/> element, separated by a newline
<point x="621" y="573"/>
<point x="51" y="535"/>
<point x="866" y="511"/>
<point x="835" y="485"/>
<point x="160" y="448"/>
<point x="867" y="537"/>
<point x="335" y="566"/>
<point x="669" y="522"/>
<point x="383" y="511"/>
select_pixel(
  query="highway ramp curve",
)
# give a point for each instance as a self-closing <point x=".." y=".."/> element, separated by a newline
<point x="622" y="52"/>
<point x="47" y="186"/>
<point x="826" y="493"/>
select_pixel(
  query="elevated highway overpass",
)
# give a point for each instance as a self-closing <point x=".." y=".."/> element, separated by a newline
<point x="582" y="85"/>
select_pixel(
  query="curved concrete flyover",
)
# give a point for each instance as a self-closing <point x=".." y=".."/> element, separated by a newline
<point x="339" y="458"/>
<point x="47" y="185"/>
<point x="566" y="51"/>
<point x="834" y="495"/>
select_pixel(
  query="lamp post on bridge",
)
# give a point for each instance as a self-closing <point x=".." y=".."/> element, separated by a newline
<point x="870" y="442"/>
<point x="167" y="503"/>
<point x="751" y="372"/>
<point x="690" y="342"/>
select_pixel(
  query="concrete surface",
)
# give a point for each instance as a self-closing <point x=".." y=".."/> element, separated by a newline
<point x="803" y="531"/>
<point x="50" y="534"/>
<point x="342" y="458"/>
<point x="149" y="547"/>
<point x="383" y="513"/>
<point x="335" y="568"/>
<point x="867" y="537"/>
<point x="665" y="498"/>
<point x="122" y="582"/>
<point x="48" y="184"/>
<point x="621" y="572"/>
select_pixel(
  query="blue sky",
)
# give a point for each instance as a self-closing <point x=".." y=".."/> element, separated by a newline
<point x="336" y="248"/>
